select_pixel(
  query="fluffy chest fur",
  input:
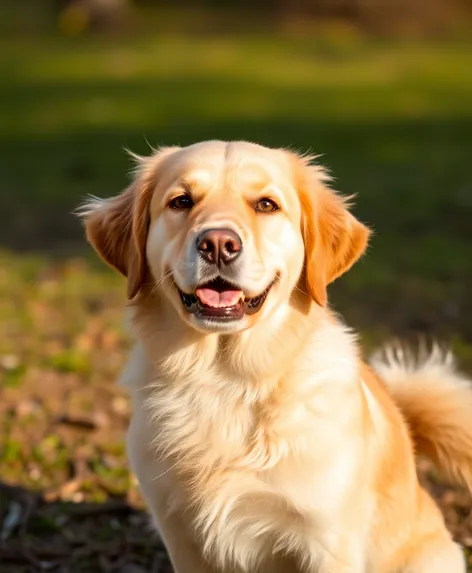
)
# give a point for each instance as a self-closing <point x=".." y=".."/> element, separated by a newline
<point x="254" y="458"/>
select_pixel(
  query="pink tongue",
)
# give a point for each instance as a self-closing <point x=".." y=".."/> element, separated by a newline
<point x="215" y="299"/>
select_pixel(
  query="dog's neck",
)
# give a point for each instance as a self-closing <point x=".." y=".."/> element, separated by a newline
<point x="266" y="351"/>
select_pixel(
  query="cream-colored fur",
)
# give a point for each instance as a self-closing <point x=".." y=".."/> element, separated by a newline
<point x="270" y="445"/>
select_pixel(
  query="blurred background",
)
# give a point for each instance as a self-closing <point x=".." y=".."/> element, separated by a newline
<point x="381" y="88"/>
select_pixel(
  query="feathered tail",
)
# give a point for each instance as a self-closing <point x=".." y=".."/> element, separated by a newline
<point x="436" y="401"/>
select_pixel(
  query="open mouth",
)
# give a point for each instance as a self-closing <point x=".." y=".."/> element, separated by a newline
<point x="222" y="301"/>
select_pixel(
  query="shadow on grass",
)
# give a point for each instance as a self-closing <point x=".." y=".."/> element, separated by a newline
<point x="412" y="177"/>
<point x="40" y="535"/>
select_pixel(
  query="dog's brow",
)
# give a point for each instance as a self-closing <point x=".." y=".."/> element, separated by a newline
<point x="253" y="176"/>
<point x="197" y="180"/>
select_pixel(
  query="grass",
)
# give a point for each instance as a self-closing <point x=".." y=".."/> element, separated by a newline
<point x="394" y="125"/>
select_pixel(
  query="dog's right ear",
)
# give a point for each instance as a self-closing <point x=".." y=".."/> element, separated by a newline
<point x="117" y="227"/>
<point x="109" y="229"/>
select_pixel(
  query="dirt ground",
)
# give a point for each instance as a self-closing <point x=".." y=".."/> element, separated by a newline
<point x="67" y="501"/>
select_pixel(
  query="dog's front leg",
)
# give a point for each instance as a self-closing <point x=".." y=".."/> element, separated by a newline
<point x="175" y="531"/>
<point x="159" y="486"/>
<point x="182" y="549"/>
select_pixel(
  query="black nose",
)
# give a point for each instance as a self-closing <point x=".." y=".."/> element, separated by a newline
<point x="219" y="246"/>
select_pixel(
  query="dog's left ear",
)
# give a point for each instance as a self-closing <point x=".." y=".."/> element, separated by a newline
<point x="334" y="239"/>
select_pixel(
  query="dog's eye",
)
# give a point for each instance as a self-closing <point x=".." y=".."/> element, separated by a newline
<point x="181" y="203"/>
<point x="266" y="205"/>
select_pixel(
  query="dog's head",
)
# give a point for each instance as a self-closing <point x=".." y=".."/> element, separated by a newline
<point x="228" y="233"/>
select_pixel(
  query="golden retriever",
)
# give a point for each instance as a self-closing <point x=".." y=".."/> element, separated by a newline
<point x="260" y="438"/>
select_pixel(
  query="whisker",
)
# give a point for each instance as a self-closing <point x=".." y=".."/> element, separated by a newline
<point x="181" y="264"/>
<point x="297" y="288"/>
<point x="160" y="282"/>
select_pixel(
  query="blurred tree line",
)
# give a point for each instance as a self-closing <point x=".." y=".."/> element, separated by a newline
<point x="380" y="17"/>
<point x="374" y="16"/>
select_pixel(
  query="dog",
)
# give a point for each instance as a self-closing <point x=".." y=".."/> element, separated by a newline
<point x="261" y="439"/>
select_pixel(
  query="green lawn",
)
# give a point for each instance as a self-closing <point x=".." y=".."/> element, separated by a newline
<point x="394" y="125"/>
